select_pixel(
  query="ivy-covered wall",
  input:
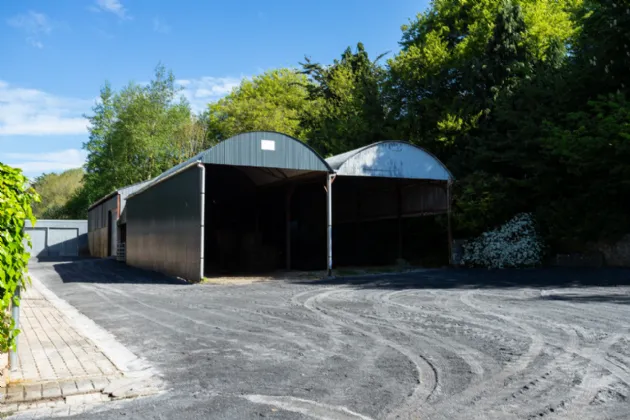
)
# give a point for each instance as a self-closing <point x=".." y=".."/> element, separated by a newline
<point x="16" y="197"/>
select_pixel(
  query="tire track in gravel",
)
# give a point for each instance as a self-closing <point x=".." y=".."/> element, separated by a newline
<point x="470" y="356"/>
<point x="534" y="387"/>
<point x="307" y="407"/>
<point x="450" y="312"/>
<point x="215" y="327"/>
<point x="475" y="358"/>
<point x="579" y="397"/>
<point x="427" y="375"/>
<point x="495" y="383"/>
<point x="592" y="382"/>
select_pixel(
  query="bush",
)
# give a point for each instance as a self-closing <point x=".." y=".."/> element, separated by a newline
<point x="16" y="198"/>
<point x="515" y="244"/>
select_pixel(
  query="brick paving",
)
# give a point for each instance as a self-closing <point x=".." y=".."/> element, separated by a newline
<point x="54" y="359"/>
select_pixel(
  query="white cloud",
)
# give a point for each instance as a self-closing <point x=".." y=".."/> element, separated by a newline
<point x="34" y="112"/>
<point x="112" y="6"/>
<point x="34" y="25"/>
<point x="160" y="26"/>
<point x="36" y="163"/>
<point x="199" y="92"/>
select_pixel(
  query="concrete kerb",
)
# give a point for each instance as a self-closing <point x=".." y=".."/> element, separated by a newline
<point x="127" y="362"/>
<point x="139" y="378"/>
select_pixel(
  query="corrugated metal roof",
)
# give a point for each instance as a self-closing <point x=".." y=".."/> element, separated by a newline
<point x="390" y="159"/>
<point x="258" y="149"/>
<point x="129" y="189"/>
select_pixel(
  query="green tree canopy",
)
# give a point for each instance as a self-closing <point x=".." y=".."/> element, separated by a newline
<point x="55" y="191"/>
<point x="350" y="109"/>
<point x="138" y="133"/>
<point x="274" y="101"/>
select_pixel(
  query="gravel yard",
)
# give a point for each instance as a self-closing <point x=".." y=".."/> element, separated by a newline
<point x="435" y="344"/>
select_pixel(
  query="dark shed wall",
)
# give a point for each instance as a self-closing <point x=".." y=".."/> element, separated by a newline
<point x="164" y="226"/>
<point x="98" y="227"/>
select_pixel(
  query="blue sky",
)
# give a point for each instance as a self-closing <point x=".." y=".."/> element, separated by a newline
<point x="57" y="54"/>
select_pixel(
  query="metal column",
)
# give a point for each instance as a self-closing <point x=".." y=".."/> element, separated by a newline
<point x="202" y="182"/>
<point x="287" y="212"/>
<point x="448" y="216"/>
<point x="329" y="180"/>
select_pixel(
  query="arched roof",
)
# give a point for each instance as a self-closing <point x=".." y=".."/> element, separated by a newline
<point x="390" y="159"/>
<point x="265" y="149"/>
<point x="277" y="156"/>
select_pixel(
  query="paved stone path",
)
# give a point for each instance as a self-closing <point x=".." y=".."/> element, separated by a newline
<point x="50" y="349"/>
<point x="60" y="369"/>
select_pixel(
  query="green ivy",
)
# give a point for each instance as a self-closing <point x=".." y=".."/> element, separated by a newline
<point x="16" y="197"/>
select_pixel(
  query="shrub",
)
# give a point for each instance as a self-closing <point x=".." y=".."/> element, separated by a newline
<point x="514" y="244"/>
<point x="15" y="207"/>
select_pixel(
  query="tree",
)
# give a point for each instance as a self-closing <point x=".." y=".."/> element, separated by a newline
<point x="350" y="109"/>
<point x="55" y="190"/>
<point x="136" y="134"/>
<point x="274" y="101"/>
<point x="433" y="81"/>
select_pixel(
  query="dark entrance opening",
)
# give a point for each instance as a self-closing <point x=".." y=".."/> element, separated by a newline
<point x="384" y="221"/>
<point x="261" y="219"/>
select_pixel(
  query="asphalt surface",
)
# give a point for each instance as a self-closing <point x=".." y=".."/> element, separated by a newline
<point x="439" y="344"/>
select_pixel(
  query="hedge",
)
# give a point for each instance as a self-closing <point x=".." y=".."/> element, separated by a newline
<point x="16" y="197"/>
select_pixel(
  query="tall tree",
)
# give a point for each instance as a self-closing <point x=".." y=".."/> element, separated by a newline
<point x="352" y="111"/>
<point x="136" y="134"/>
<point x="273" y="101"/>
<point x="431" y="81"/>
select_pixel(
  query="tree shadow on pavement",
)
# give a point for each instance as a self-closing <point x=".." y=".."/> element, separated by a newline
<point x="614" y="298"/>
<point x="486" y="279"/>
<point x="109" y="271"/>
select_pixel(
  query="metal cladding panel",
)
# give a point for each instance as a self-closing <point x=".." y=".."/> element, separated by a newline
<point x="97" y="226"/>
<point x="427" y="199"/>
<point x="58" y="237"/>
<point x="164" y="226"/>
<point x="265" y="149"/>
<point x="390" y="159"/>
<point x="127" y="191"/>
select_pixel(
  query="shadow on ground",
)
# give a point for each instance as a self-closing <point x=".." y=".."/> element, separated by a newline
<point x="613" y="298"/>
<point x="486" y="279"/>
<point x="109" y="271"/>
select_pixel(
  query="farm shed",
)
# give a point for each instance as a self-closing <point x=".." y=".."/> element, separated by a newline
<point x="103" y="215"/>
<point x="381" y="191"/>
<point x="57" y="238"/>
<point x="230" y="208"/>
<point x="262" y="201"/>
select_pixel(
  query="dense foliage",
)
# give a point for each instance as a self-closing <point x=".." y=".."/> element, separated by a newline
<point x="274" y="101"/>
<point x="524" y="100"/>
<point x="16" y="198"/>
<point x="55" y="191"/>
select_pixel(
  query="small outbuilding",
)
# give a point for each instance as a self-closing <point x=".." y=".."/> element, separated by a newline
<point x="103" y="231"/>
<point x="262" y="201"/>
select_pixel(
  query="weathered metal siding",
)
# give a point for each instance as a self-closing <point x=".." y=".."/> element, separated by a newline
<point x="98" y="217"/>
<point x="364" y="199"/>
<point x="164" y="226"/>
<point x="127" y="191"/>
<point x="58" y="238"/>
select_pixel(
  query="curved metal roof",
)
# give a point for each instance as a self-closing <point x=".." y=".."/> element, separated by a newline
<point x="390" y="159"/>
<point x="272" y="152"/>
